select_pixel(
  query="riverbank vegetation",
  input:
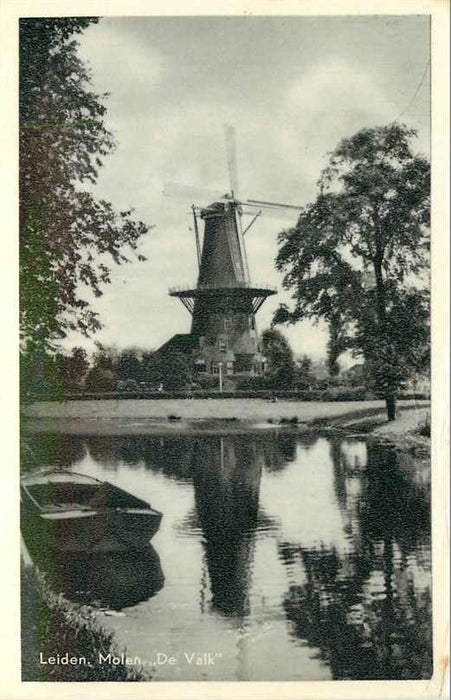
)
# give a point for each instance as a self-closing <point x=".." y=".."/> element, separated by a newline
<point x="52" y="626"/>
<point x="136" y="373"/>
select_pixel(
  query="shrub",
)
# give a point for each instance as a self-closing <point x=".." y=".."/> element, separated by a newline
<point x="100" y="379"/>
<point x="290" y="421"/>
<point x="345" y="393"/>
<point x="207" y="382"/>
<point x="175" y="371"/>
<point x="419" y="396"/>
<point x="330" y="383"/>
<point x="131" y="385"/>
<point x="424" y="428"/>
<point x="251" y="383"/>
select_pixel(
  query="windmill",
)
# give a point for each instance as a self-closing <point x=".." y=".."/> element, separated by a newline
<point x="224" y="301"/>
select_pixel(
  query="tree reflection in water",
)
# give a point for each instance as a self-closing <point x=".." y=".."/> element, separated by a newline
<point x="364" y="610"/>
<point x="51" y="449"/>
<point x="281" y="448"/>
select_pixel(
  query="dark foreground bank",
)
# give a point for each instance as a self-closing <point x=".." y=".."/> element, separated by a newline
<point x="62" y="641"/>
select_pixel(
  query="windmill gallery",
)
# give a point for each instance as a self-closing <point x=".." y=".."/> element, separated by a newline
<point x="224" y="302"/>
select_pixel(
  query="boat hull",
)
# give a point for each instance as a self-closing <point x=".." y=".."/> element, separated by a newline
<point x="107" y="531"/>
<point x="68" y="513"/>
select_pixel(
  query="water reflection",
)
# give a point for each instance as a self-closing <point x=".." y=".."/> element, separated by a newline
<point x="48" y="449"/>
<point x="366" y="609"/>
<point x="226" y="497"/>
<point x="113" y="580"/>
<point x="312" y="554"/>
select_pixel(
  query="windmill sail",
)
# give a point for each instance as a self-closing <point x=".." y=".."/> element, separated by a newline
<point x="230" y="141"/>
<point x="176" y="189"/>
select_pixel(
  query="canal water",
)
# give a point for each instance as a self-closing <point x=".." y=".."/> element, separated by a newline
<point x="281" y="556"/>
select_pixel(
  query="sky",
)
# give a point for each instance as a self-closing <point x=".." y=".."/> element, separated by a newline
<point x="292" y="87"/>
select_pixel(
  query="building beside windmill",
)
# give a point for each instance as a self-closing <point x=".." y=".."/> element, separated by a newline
<point x="224" y="302"/>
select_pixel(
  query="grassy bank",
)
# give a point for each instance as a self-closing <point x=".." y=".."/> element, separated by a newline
<point x="52" y="625"/>
<point x="249" y="410"/>
<point x="409" y="432"/>
<point x="138" y="417"/>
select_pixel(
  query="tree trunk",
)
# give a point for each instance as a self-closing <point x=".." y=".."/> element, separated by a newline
<point x="390" y="398"/>
<point x="380" y="291"/>
<point x="390" y="402"/>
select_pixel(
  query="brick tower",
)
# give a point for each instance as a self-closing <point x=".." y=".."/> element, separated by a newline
<point x="224" y="302"/>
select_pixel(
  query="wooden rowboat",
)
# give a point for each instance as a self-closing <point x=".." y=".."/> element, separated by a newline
<point x="64" y="511"/>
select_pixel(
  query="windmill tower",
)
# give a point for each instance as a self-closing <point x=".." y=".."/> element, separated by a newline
<point x="224" y="301"/>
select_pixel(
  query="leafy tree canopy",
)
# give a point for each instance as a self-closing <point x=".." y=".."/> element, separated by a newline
<point x="175" y="370"/>
<point x="129" y="364"/>
<point x="358" y="254"/>
<point x="67" y="237"/>
<point x="281" y="367"/>
<point x="304" y="372"/>
<point x="72" y="368"/>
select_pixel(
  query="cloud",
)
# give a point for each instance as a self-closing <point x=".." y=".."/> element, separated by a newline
<point x="334" y="87"/>
<point x="120" y="64"/>
<point x="332" y="99"/>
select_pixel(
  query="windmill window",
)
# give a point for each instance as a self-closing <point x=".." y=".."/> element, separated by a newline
<point x="229" y="367"/>
<point x="222" y="346"/>
<point x="228" y="324"/>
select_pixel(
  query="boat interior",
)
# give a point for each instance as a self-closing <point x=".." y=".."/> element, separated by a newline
<point x="58" y="494"/>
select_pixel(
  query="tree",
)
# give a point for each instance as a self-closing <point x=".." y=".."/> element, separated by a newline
<point x="281" y="367"/>
<point x="39" y="378"/>
<point x="335" y="346"/>
<point x="67" y="236"/>
<point x="101" y="379"/>
<point x="103" y="375"/>
<point x="358" y="254"/>
<point x="151" y="368"/>
<point x="129" y="365"/>
<point x="72" y="369"/>
<point x="304" y="373"/>
<point x="403" y="350"/>
<point x="176" y="370"/>
<point x="355" y="375"/>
